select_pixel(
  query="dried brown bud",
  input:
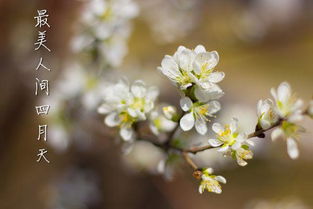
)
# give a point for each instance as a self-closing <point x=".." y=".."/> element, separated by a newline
<point x="197" y="174"/>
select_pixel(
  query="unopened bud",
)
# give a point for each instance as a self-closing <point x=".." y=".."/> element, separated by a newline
<point x="169" y="112"/>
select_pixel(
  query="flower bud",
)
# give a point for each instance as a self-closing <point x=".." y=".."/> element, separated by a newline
<point x="170" y="112"/>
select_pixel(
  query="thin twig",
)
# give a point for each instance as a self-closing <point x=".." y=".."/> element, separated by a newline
<point x="185" y="152"/>
<point x="189" y="160"/>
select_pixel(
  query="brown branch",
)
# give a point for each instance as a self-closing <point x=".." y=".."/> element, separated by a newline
<point x="189" y="160"/>
<point x="262" y="131"/>
<point x="194" y="150"/>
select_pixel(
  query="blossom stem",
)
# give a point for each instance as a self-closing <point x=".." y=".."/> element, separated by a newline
<point x="189" y="160"/>
<point x="194" y="150"/>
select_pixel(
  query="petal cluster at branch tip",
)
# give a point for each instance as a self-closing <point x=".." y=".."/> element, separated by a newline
<point x="286" y="107"/>
<point x="125" y="105"/>
<point x="232" y="142"/>
<point x="197" y="114"/>
<point x="194" y="68"/>
<point x="210" y="182"/>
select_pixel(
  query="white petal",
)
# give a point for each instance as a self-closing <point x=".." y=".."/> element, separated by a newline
<point x="210" y="59"/>
<point x="104" y="109"/>
<point x="126" y="133"/>
<point x="259" y="106"/>
<point x="297" y="105"/>
<point x="218" y="190"/>
<point x="220" y="179"/>
<point x="223" y="149"/>
<point x="214" y="107"/>
<point x="265" y="124"/>
<point x="233" y="125"/>
<point x="212" y="93"/>
<point x="215" y="56"/>
<point x="185" y="86"/>
<point x="208" y="170"/>
<point x="274" y="94"/>
<point x="153" y="93"/>
<point x="217" y="128"/>
<point x="216" y="77"/>
<point x="139" y="89"/>
<point x="295" y="117"/>
<point x="161" y="166"/>
<point x="277" y="133"/>
<point x="215" y="142"/>
<point x="199" y="49"/>
<point x="187" y="122"/>
<point x="241" y="162"/>
<point x="185" y="103"/>
<point x="250" y="142"/>
<point x="154" y="129"/>
<point x="236" y="146"/>
<point x="179" y="50"/>
<point x="132" y="112"/>
<point x="168" y="125"/>
<point x="170" y="67"/>
<point x="112" y="119"/>
<point x="185" y="59"/>
<point x="292" y="148"/>
<point x="284" y="92"/>
<point x="201" y="189"/>
<point x="201" y="127"/>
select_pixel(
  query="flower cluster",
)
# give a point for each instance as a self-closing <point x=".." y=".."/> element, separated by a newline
<point x="124" y="105"/>
<point x="194" y="68"/>
<point x="232" y="142"/>
<point x="105" y="29"/>
<point x="286" y="109"/>
<point x="76" y="88"/>
<point x="193" y="72"/>
<point x="210" y="182"/>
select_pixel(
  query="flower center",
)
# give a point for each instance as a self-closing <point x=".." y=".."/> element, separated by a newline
<point x="211" y="185"/>
<point x="184" y="78"/>
<point x="227" y="137"/>
<point x="138" y="103"/>
<point x="205" y="72"/>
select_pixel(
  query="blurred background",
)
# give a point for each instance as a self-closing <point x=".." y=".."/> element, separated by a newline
<point x="260" y="42"/>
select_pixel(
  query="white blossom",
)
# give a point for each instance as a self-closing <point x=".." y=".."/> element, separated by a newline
<point x="267" y="115"/>
<point x="105" y="16"/>
<point x="124" y="105"/>
<point x="194" y="67"/>
<point x="197" y="114"/>
<point x="290" y="132"/>
<point x="210" y="182"/>
<point x="203" y="68"/>
<point x="159" y="123"/>
<point x="105" y="29"/>
<point x="232" y="142"/>
<point x="287" y="105"/>
<point x="178" y="68"/>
